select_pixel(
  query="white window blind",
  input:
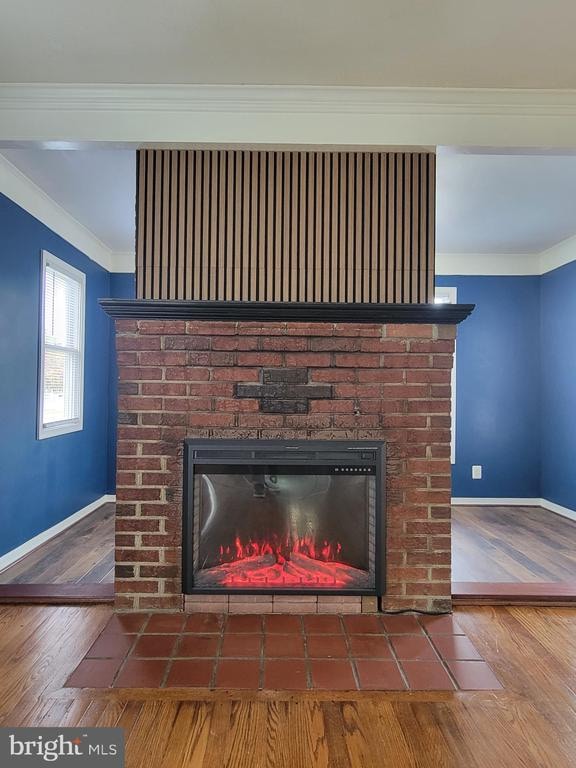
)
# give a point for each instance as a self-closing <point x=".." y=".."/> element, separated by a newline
<point x="62" y="348"/>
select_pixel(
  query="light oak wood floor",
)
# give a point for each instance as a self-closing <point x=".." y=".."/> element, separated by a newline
<point x="514" y="544"/>
<point x="82" y="554"/>
<point x="530" y="724"/>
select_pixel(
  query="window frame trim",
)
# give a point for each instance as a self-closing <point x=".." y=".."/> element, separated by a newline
<point x="66" y="426"/>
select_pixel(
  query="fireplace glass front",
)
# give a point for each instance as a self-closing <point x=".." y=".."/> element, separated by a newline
<point x="263" y="516"/>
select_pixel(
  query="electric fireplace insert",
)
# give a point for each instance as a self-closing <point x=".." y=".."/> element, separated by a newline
<point x="264" y="516"/>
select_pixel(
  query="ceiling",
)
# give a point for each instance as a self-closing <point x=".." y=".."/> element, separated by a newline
<point x="504" y="203"/>
<point x="458" y="43"/>
<point x="497" y="203"/>
<point x="97" y="187"/>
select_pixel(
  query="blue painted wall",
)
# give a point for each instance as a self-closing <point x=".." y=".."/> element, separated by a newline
<point x="558" y="384"/>
<point x="122" y="286"/>
<point x="498" y="421"/>
<point x="44" y="481"/>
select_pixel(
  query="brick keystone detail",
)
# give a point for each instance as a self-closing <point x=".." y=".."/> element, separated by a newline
<point x="285" y="375"/>
<point x="284" y="391"/>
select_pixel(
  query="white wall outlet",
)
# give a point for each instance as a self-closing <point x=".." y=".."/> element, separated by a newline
<point x="476" y="472"/>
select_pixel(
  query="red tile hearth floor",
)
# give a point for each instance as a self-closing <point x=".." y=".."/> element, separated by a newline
<point x="277" y="652"/>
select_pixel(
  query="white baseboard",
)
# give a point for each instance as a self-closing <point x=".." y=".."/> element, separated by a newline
<point x="496" y="502"/>
<point x="515" y="502"/>
<point x="553" y="507"/>
<point x="24" y="549"/>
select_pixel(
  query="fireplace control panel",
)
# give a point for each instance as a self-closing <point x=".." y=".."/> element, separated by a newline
<point x="355" y="470"/>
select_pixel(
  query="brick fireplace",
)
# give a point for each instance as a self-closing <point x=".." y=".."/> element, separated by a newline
<point x="284" y="380"/>
<point x="285" y="296"/>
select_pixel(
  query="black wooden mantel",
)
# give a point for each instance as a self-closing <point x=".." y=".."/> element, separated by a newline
<point x="279" y="312"/>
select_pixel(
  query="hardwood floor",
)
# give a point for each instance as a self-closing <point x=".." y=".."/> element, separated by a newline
<point x="489" y="544"/>
<point x="82" y="554"/>
<point x="512" y="544"/>
<point x="531" y="723"/>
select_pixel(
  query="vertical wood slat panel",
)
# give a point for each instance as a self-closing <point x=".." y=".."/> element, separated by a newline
<point x="172" y="286"/>
<point x="350" y="250"/>
<point x="406" y="228"/>
<point x="326" y="215"/>
<point x="310" y="229"/>
<point x="367" y="228"/>
<point x="148" y="249"/>
<point x="374" y="232"/>
<point x="342" y="228"/>
<point x="381" y="228"/>
<point x="244" y="260"/>
<point x="180" y="224"/>
<point x="278" y="227"/>
<point x="204" y="253"/>
<point x="238" y="185"/>
<point x="391" y="229"/>
<point x="213" y="225"/>
<point x="157" y="227"/>
<point x="221" y="227"/>
<point x="196" y="265"/>
<point x="399" y="230"/>
<point x="164" y="264"/>
<point x="286" y="218"/>
<point x="294" y="223"/>
<point x="242" y="225"/>
<point x="230" y="235"/>
<point x="334" y="251"/>
<point x="302" y="234"/>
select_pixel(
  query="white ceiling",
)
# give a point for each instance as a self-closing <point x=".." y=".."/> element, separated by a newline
<point x="461" y="43"/>
<point x="504" y="203"/>
<point x="486" y="203"/>
<point x="97" y="187"/>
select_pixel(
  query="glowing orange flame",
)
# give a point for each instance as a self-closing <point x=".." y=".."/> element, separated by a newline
<point x="325" y="552"/>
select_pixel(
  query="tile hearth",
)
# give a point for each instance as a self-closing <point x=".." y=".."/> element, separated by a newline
<point x="284" y="652"/>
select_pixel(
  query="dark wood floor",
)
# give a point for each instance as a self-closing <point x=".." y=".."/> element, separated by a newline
<point x="490" y="544"/>
<point x="512" y="544"/>
<point x="82" y="554"/>
<point x="530" y="724"/>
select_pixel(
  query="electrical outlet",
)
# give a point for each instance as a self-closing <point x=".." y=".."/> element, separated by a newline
<point x="476" y="472"/>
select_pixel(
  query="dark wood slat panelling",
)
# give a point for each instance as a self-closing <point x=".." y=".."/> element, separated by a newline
<point x="238" y="225"/>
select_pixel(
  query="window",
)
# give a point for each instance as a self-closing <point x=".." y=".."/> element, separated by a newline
<point x="61" y="384"/>
<point x="450" y="296"/>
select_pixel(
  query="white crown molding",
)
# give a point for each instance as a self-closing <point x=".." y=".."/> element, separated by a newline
<point x="22" y="190"/>
<point x="558" y="255"/>
<point x="487" y="264"/>
<point x="309" y="115"/>
<point x="507" y="263"/>
<point x="283" y="99"/>
<point x="123" y="261"/>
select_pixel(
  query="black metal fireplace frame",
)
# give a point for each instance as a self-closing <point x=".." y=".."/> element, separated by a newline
<point x="354" y="453"/>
